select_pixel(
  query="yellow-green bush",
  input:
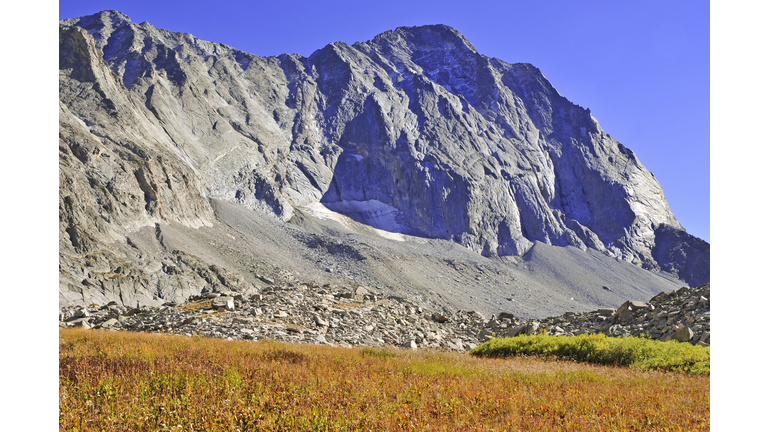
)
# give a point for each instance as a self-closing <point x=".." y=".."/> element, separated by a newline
<point x="641" y="353"/>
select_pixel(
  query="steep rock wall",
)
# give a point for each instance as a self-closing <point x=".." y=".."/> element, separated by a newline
<point x="461" y="146"/>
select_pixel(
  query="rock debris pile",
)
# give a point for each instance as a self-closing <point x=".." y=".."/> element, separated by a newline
<point x="308" y="314"/>
<point x="682" y="315"/>
<point x="359" y="317"/>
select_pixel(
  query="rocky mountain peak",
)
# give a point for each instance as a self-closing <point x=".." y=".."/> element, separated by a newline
<point x="101" y="25"/>
<point x="435" y="37"/>
<point x="411" y="133"/>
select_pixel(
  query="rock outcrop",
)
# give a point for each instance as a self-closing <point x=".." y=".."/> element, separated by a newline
<point x="682" y="254"/>
<point x="412" y="132"/>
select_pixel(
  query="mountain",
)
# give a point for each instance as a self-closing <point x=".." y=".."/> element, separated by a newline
<point x="188" y="165"/>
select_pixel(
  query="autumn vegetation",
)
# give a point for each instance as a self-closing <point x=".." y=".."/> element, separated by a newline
<point x="123" y="381"/>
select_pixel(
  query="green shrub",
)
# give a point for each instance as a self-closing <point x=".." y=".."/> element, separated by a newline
<point x="641" y="353"/>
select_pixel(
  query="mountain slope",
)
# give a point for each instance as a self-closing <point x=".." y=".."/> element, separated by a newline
<point x="414" y="133"/>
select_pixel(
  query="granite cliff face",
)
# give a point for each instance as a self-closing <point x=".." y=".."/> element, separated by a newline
<point x="413" y="132"/>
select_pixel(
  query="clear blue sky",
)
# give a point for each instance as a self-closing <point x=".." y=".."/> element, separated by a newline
<point x="641" y="67"/>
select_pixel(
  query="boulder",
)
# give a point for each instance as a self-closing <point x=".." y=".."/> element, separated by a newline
<point x="226" y="302"/>
<point x="632" y="305"/>
<point x="680" y="334"/>
<point x="109" y="323"/>
<point x="439" y="317"/>
<point x="704" y="339"/>
<point x="622" y="316"/>
<point x="294" y="328"/>
<point x="513" y="331"/>
<point x="485" y="335"/>
<point x="532" y="328"/>
<point x="361" y="291"/>
<point x="506" y="315"/>
<point x="79" y="322"/>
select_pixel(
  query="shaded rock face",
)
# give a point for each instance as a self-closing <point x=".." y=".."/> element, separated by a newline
<point x="682" y="254"/>
<point x="413" y="132"/>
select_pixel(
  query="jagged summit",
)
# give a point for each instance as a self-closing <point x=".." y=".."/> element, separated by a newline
<point x="426" y="37"/>
<point x="412" y="133"/>
<point x="107" y="15"/>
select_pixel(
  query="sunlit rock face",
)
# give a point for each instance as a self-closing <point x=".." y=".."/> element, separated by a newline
<point x="412" y="132"/>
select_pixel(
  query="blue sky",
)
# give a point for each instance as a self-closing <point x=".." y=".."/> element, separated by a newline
<point x="641" y="67"/>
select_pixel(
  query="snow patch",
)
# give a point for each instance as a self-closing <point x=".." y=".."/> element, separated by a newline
<point x="367" y="216"/>
<point x="373" y="212"/>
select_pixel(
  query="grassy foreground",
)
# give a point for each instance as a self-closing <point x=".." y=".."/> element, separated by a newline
<point x="631" y="351"/>
<point x="121" y="381"/>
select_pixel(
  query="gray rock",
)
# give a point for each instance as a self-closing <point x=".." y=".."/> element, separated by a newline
<point x="109" y="323"/>
<point x="224" y="302"/>
<point x="632" y="305"/>
<point x="294" y="328"/>
<point x="439" y="317"/>
<point x="704" y="340"/>
<point x="506" y="315"/>
<point x="680" y="334"/>
<point x="457" y="344"/>
<point x="79" y="322"/>
<point x="623" y="316"/>
<point x="532" y="328"/>
<point x="485" y="334"/>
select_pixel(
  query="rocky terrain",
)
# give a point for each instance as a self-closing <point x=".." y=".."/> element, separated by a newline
<point x="245" y="252"/>
<point x="359" y="317"/>
<point x="410" y="164"/>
